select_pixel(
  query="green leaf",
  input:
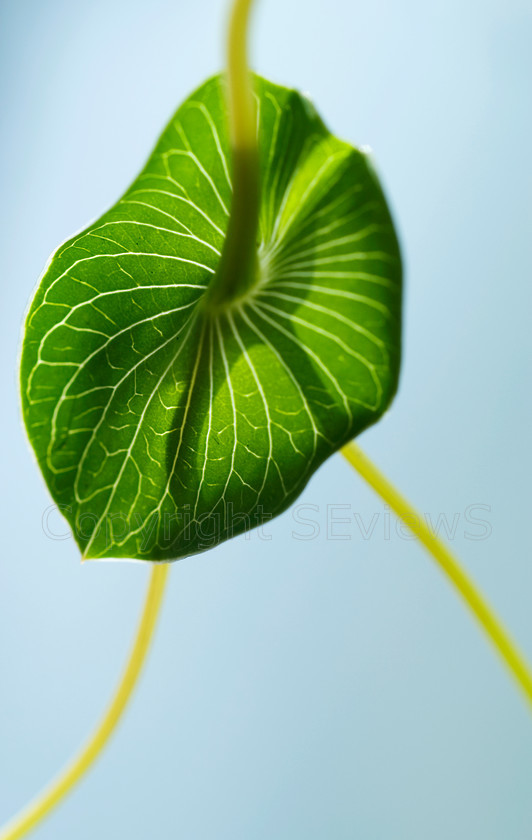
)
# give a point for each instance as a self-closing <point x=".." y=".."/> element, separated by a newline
<point x="162" y="426"/>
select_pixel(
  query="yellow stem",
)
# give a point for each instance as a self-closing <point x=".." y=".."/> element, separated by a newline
<point x="241" y="104"/>
<point x="36" y="810"/>
<point x="238" y="267"/>
<point x="448" y="564"/>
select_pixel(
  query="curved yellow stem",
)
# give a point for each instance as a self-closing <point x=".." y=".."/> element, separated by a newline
<point x="448" y="564"/>
<point x="36" y="810"/>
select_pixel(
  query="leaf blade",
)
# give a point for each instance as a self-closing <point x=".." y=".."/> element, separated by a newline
<point x="164" y="428"/>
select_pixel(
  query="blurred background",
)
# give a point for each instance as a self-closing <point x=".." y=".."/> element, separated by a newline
<point x="325" y="681"/>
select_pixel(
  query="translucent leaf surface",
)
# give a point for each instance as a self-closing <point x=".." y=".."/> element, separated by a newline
<point x="163" y="426"/>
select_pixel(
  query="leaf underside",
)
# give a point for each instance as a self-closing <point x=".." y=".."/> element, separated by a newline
<point x="161" y="428"/>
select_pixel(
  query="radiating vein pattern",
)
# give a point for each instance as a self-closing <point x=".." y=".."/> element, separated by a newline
<point x="162" y="427"/>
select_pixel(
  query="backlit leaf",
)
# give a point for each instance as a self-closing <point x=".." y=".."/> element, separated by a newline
<point x="163" y="428"/>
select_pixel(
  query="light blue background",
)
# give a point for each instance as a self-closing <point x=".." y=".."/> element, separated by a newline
<point x="296" y="689"/>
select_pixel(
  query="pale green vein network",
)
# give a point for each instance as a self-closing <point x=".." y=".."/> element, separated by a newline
<point x="164" y="426"/>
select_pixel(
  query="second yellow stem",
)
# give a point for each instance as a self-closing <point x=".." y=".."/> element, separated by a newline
<point x="448" y="564"/>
